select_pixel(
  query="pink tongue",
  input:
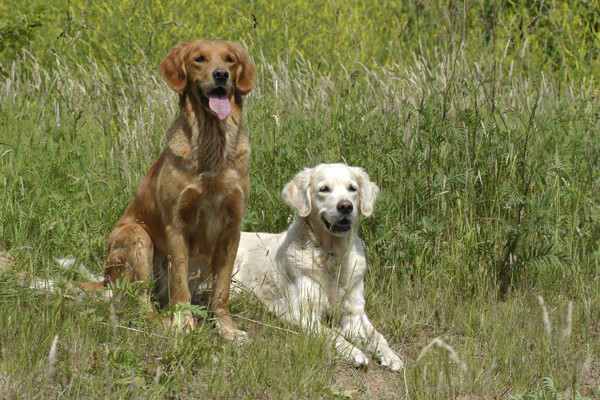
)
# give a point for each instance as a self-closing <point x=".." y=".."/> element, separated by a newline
<point x="220" y="105"/>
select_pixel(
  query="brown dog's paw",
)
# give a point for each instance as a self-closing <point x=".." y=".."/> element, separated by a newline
<point x="230" y="332"/>
<point x="240" y="336"/>
<point x="182" y="321"/>
<point x="235" y="334"/>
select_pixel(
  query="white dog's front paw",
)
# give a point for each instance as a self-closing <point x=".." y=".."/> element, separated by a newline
<point x="390" y="359"/>
<point x="358" y="358"/>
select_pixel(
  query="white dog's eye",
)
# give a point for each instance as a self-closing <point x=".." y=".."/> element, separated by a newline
<point x="352" y="188"/>
<point x="324" y="189"/>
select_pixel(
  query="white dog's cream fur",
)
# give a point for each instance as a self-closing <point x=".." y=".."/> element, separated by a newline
<point x="315" y="270"/>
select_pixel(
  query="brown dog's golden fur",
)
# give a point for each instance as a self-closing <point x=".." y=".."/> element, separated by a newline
<point x="183" y="225"/>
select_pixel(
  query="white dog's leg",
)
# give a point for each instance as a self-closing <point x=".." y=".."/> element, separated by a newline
<point x="342" y="346"/>
<point x="358" y="325"/>
<point x="348" y="350"/>
<point x="306" y="312"/>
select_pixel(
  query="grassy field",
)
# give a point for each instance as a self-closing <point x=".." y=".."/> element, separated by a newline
<point x="479" y="121"/>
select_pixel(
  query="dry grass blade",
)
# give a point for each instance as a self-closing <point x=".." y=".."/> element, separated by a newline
<point x="267" y="325"/>
<point x="565" y="334"/>
<point x="52" y="358"/>
<point x="116" y="326"/>
<point x="452" y="354"/>
<point x="113" y="319"/>
<point x="545" y="317"/>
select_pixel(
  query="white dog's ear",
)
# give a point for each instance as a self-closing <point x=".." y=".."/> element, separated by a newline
<point x="297" y="192"/>
<point x="367" y="190"/>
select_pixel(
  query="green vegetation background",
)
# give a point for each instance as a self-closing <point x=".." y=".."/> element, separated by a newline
<point x="368" y="32"/>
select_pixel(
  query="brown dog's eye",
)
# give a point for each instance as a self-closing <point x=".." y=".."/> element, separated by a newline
<point x="200" y="59"/>
<point x="324" y="189"/>
<point x="352" y="188"/>
<point x="229" y="59"/>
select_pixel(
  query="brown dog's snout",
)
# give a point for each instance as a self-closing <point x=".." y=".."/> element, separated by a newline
<point x="220" y="75"/>
<point x="345" y="207"/>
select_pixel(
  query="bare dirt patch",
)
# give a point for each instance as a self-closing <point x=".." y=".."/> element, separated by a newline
<point x="375" y="382"/>
<point x="6" y="259"/>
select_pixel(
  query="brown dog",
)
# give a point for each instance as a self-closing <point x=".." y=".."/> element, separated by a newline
<point x="183" y="225"/>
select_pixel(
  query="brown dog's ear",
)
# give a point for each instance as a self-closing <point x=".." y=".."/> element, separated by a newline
<point x="367" y="191"/>
<point x="173" y="69"/>
<point x="297" y="192"/>
<point x="245" y="72"/>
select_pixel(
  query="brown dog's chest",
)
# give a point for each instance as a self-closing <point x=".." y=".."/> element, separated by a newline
<point x="209" y="208"/>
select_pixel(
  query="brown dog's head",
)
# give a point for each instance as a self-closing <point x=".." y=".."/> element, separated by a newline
<point x="215" y="72"/>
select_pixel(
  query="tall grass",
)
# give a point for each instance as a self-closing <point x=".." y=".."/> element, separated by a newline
<point x="486" y="152"/>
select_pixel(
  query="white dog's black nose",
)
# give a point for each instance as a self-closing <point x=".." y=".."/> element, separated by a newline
<point x="220" y="74"/>
<point x="345" y="207"/>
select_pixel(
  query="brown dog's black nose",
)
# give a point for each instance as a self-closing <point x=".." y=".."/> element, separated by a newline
<point x="220" y="74"/>
<point x="345" y="207"/>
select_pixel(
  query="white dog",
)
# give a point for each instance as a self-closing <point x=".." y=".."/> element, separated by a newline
<point x="316" y="269"/>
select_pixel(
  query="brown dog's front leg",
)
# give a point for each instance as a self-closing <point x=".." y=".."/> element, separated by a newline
<point x="179" y="292"/>
<point x="222" y="268"/>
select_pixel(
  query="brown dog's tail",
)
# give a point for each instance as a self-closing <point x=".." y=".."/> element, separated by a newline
<point x="92" y="287"/>
<point x="44" y="284"/>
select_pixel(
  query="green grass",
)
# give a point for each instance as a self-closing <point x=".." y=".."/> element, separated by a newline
<point x="487" y="154"/>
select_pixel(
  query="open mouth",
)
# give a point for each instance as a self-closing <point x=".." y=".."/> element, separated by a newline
<point x="343" y="225"/>
<point x="217" y="101"/>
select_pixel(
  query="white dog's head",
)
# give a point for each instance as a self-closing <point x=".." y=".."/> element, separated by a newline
<point x="331" y="195"/>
